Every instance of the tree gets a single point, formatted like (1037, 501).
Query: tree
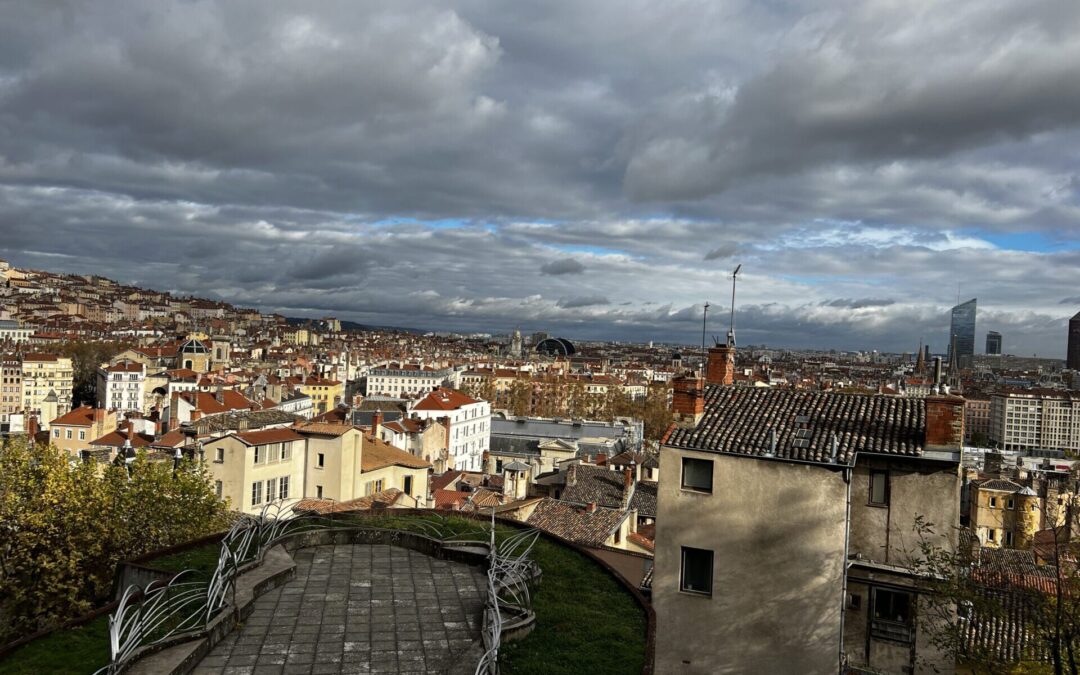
(85, 359)
(968, 599)
(65, 526)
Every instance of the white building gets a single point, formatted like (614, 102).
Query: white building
(122, 386)
(408, 380)
(11, 331)
(470, 425)
(1035, 419)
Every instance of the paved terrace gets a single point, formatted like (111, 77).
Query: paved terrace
(360, 609)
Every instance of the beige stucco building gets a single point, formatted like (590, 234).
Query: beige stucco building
(75, 430)
(42, 374)
(255, 468)
(785, 527)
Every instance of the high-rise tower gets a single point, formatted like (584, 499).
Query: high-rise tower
(1072, 360)
(993, 343)
(962, 328)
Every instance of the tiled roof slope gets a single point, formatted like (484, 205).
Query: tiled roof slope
(575, 523)
(738, 420)
(595, 484)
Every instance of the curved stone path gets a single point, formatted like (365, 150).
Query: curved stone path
(360, 609)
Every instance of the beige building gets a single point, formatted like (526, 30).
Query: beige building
(384, 466)
(324, 394)
(77, 429)
(255, 468)
(45, 373)
(1004, 513)
(11, 388)
(333, 461)
(785, 526)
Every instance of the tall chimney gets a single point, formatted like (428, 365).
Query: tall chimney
(688, 399)
(945, 422)
(721, 365)
(376, 422)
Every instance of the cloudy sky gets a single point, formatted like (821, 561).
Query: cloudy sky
(591, 169)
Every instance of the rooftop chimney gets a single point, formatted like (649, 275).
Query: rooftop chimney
(944, 422)
(721, 365)
(376, 422)
(591, 508)
(688, 399)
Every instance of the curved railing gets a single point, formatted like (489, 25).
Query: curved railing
(171, 611)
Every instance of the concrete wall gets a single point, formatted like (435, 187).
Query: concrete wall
(340, 474)
(777, 580)
(916, 488)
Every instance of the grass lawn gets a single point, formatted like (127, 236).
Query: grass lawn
(77, 651)
(84, 649)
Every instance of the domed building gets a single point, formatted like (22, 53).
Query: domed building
(556, 347)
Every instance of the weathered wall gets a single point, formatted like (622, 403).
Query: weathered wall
(777, 580)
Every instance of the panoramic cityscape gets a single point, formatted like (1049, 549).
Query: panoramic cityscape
(480, 338)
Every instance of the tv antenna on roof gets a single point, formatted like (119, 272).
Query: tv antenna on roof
(731, 326)
(704, 322)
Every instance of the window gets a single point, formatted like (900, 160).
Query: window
(879, 488)
(318, 492)
(696, 575)
(220, 456)
(286, 450)
(993, 502)
(1008, 538)
(1010, 503)
(321, 462)
(697, 474)
(258, 455)
(56, 433)
(67, 435)
(406, 485)
(271, 486)
(498, 466)
(891, 615)
(283, 482)
(991, 534)
(256, 493)
(218, 488)
(82, 434)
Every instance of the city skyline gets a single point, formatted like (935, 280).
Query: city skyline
(601, 182)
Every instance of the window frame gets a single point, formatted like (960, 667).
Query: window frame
(684, 550)
(685, 487)
(320, 460)
(891, 629)
(875, 475)
(283, 487)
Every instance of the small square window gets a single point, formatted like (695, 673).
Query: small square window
(879, 488)
(696, 576)
(993, 502)
(220, 456)
(1010, 503)
(697, 474)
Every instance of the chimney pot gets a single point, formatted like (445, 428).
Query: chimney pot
(592, 507)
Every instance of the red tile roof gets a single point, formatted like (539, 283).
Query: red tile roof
(79, 417)
(378, 454)
(450, 499)
(444, 399)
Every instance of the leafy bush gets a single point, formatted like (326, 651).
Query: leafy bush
(65, 526)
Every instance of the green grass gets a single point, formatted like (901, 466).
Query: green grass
(586, 621)
(84, 649)
(202, 561)
(76, 651)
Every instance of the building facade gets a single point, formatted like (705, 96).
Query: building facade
(1072, 359)
(11, 387)
(45, 373)
(403, 381)
(122, 386)
(470, 425)
(1035, 419)
(784, 523)
(993, 343)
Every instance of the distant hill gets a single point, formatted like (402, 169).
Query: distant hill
(352, 325)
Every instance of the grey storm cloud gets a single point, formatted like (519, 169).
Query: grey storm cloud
(561, 267)
(582, 301)
(417, 163)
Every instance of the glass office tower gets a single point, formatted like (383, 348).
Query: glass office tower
(963, 329)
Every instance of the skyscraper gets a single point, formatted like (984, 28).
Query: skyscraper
(1072, 360)
(963, 329)
(993, 343)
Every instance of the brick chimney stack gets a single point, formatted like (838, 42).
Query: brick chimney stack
(688, 399)
(944, 421)
(721, 365)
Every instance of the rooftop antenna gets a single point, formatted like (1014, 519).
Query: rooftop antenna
(704, 321)
(731, 327)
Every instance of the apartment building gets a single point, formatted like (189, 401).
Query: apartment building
(255, 468)
(43, 374)
(407, 380)
(469, 434)
(12, 331)
(785, 525)
(976, 419)
(1004, 514)
(1031, 419)
(324, 393)
(122, 386)
(77, 429)
(11, 388)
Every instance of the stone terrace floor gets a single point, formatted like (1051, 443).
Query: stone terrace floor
(360, 609)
